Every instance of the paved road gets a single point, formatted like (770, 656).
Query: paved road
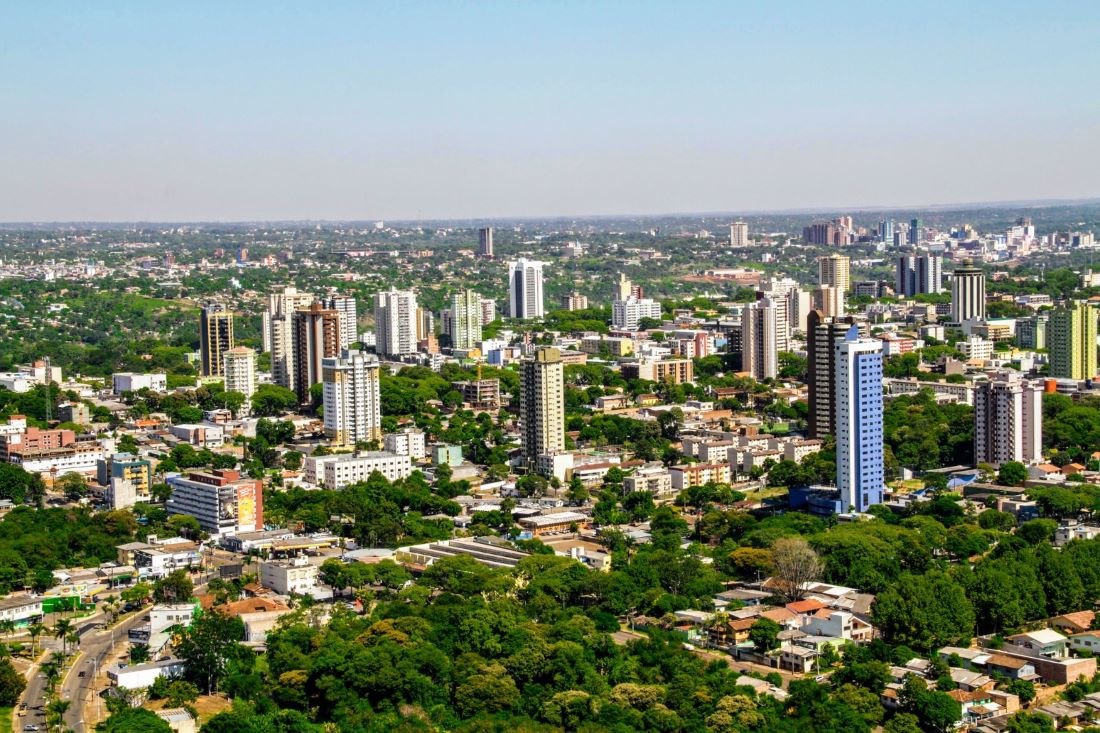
(95, 647)
(35, 694)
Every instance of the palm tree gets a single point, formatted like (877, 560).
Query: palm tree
(55, 713)
(35, 630)
(61, 630)
(52, 671)
(7, 626)
(74, 639)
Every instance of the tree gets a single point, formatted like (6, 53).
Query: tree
(1012, 473)
(12, 684)
(924, 612)
(135, 720)
(176, 587)
(796, 565)
(207, 645)
(903, 723)
(1024, 689)
(936, 711)
(61, 630)
(1024, 722)
(1037, 531)
(764, 634)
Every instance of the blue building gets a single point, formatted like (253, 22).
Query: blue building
(859, 454)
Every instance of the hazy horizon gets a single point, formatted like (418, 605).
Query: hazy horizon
(257, 112)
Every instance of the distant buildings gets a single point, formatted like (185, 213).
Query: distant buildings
(465, 319)
(1071, 341)
(215, 337)
(485, 242)
(859, 443)
(967, 294)
(574, 302)
(131, 382)
(352, 398)
(395, 323)
(525, 289)
(542, 404)
(1008, 420)
(240, 371)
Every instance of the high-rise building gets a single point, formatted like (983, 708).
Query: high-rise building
(829, 300)
(215, 337)
(485, 242)
(834, 271)
(1071, 341)
(542, 404)
(1008, 420)
(278, 328)
(628, 314)
(465, 319)
(316, 337)
(739, 234)
(574, 302)
(761, 339)
(886, 231)
(1031, 332)
(525, 289)
(240, 371)
(916, 234)
(918, 274)
(425, 324)
(822, 333)
(352, 398)
(860, 468)
(488, 311)
(344, 305)
(967, 294)
(395, 323)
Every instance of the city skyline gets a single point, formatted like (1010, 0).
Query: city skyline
(489, 112)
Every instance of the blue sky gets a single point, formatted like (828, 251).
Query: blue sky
(231, 111)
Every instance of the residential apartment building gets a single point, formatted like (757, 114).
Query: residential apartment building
(215, 337)
(240, 371)
(352, 398)
(465, 319)
(542, 404)
(858, 416)
(525, 289)
(1008, 420)
(395, 323)
(1071, 341)
(316, 338)
(343, 469)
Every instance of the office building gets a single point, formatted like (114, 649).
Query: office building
(352, 398)
(465, 319)
(628, 314)
(316, 337)
(542, 404)
(344, 305)
(222, 501)
(240, 371)
(967, 294)
(859, 453)
(1031, 332)
(739, 234)
(1008, 420)
(763, 336)
(485, 242)
(215, 337)
(886, 231)
(396, 323)
(834, 272)
(1071, 341)
(574, 302)
(822, 334)
(916, 234)
(525, 289)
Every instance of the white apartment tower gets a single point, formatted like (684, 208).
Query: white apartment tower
(860, 466)
(352, 398)
(466, 315)
(278, 332)
(627, 314)
(967, 294)
(525, 289)
(542, 404)
(739, 234)
(395, 322)
(240, 371)
(1008, 420)
(763, 336)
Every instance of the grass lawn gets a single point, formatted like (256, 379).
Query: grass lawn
(5, 720)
